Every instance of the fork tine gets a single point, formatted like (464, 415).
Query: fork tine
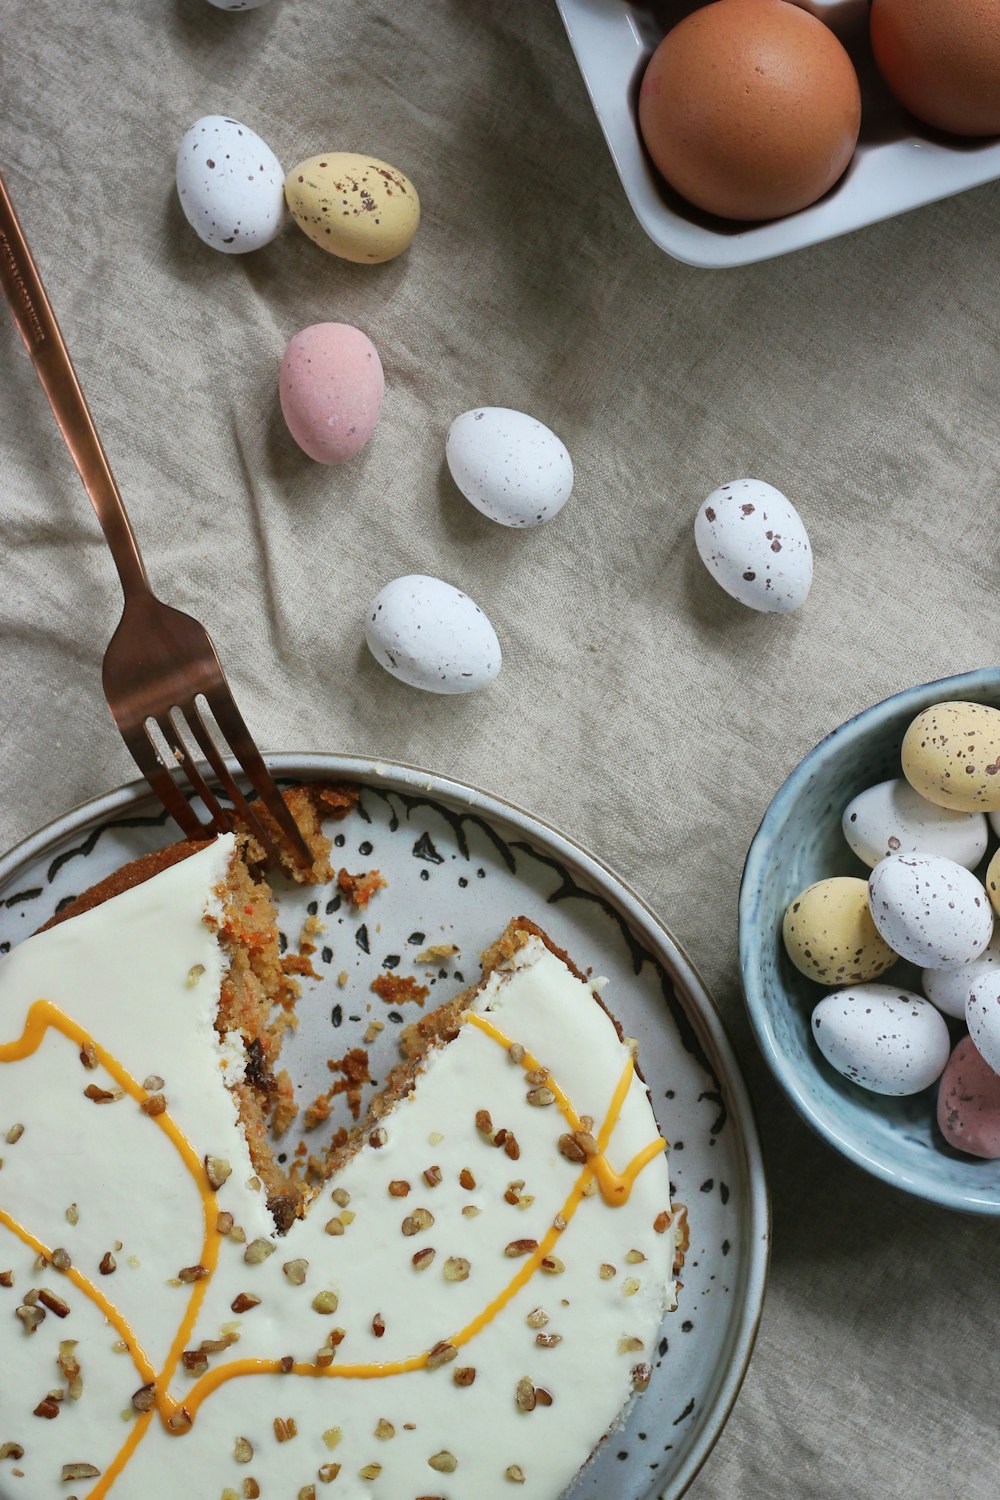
(210, 750)
(230, 721)
(144, 754)
(177, 747)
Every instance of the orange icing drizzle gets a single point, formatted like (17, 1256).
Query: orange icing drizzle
(614, 1186)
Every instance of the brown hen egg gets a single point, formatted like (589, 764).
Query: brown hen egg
(750, 108)
(941, 58)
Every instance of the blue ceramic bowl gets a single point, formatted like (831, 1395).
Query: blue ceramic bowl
(800, 841)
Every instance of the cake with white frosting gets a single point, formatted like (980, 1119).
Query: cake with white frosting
(463, 1310)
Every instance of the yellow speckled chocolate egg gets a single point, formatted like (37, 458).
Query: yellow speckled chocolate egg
(951, 756)
(830, 936)
(357, 207)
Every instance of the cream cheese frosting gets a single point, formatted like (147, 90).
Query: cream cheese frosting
(465, 1311)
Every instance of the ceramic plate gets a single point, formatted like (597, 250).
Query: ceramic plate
(459, 864)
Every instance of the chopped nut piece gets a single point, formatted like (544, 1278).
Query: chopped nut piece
(332, 1437)
(586, 1141)
(524, 1395)
(456, 1268)
(484, 1122)
(537, 1318)
(80, 1471)
(284, 1428)
(444, 1462)
(194, 1361)
(88, 1056)
(370, 1471)
(630, 1286)
(552, 1265)
(423, 1258)
(296, 1270)
(607, 1271)
(421, 1218)
(6, 1278)
(520, 1247)
(153, 1084)
(61, 1260)
(466, 1180)
(217, 1170)
(327, 1473)
(570, 1147)
(47, 1408)
(31, 1297)
(180, 1420)
(67, 1360)
(325, 1302)
(682, 1239)
(378, 1325)
(537, 1075)
(30, 1316)
(307, 1492)
(188, 1274)
(257, 1251)
(216, 1346)
(634, 1257)
(334, 1225)
(385, 1430)
(243, 1302)
(662, 1222)
(511, 1148)
(630, 1345)
(641, 1376)
(542, 1396)
(432, 1176)
(324, 1359)
(541, 1096)
(108, 1264)
(516, 1053)
(75, 1388)
(53, 1303)
(194, 974)
(11, 1450)
(286, 1364)
(153, 1105)
(470, 1211)
(239, 1234)
(14, 1134)
(341, 1197)
(347, 1216)
(548, 1340)
(72, 1214)
(442, 1354)
(513, 1191)
(514, 1473)
(251, 1489)
(398, 1188)
(464, 1375)
(559, 1222)
(224, 1222)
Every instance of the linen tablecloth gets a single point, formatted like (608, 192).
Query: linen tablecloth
(638, 707)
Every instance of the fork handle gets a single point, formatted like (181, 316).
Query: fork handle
(36, 323)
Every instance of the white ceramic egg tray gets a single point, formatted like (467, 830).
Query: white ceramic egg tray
(899, 164)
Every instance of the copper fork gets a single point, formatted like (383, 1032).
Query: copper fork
(160, 664)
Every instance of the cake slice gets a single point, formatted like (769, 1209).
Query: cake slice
(468, 1302)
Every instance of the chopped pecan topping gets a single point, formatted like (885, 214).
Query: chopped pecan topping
(325, 1302)
(61, 1260)
(542, 1396)
(378, 1325)
(442, 1354)
(224, 1222)
(464, 1375)
(466, 1180)
(243, 1302)
(144, 1399)
(421, 1218)
(153, 1105)
(516, 1053)
(30, 1316)
(634, 1257)
(444, 1462)
(484, 1122)
(153, 1084)
(630, 1345)
(6, 1278)
(11, 1450)
(376, 1140)
(548, 1340)
(524, 1395)
(251, 1489)
(456, 1268)
(641, 1376)
(630, 1286)
(47, 1408)
(423, 1258)
(217, 1170)
(537, 1318)
(295, 1270)
(194, 1361)
(14, 1134)
(541, 1096)
(570, 1147)
(189, 1274)
(514, 1473)
(552, 1265)
(607, 1271)
(80, 1471)
(88, 1056)
(108, 1264)
(370, 1471)
(398, 1188)
(511, 1148)
(285, 1428)
(432, 1176)
(53, 1303)
(334, 1225)
(257, 1251)
(662, 1222)
(341, 1197)
(520, 1247)
(327, 1473)
(384, 1430)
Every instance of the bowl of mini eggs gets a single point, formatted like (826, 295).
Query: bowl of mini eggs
(870, 940)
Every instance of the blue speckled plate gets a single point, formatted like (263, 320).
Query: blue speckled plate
(459, 863)
(800, 841)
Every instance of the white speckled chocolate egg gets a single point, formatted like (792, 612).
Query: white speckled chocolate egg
(752, 540)
(829, 934)
(885, 1039)
(930, 910)
(982, 1016)
(891, 818)
(230, 184)
(951, 756)
(949, 989)
(432, 636)
(509, 465)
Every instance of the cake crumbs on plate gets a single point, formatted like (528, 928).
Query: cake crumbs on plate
(437, 953)
(359, 889)
(397, 989)
(354, 1066)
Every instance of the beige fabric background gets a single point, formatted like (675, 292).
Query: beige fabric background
(638, 707)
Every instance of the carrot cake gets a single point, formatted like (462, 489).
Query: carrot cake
(464, 1308)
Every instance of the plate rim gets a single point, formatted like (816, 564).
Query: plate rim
(693, 995)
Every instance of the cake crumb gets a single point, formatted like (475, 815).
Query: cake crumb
(437, 953)
(374, 1027)
(359, 889)
(284, 1108)
(342, 978)
(397, 989)
(354, 1066)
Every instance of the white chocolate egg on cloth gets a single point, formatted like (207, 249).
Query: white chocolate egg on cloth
(885, 1039)
(430, 635)
(751, 539)
(510, 466)
(230, 184)
(891, 818)
(949, 989)
(930, 910)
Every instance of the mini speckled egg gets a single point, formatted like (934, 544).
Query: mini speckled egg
(829, 934)
(982, 1016)
(357, 207)
(949, 989)
(331, 386)
(968, 1109)
(930, 910)
(885, 1039)
(993, 881)
(230, 185)
(509, 466)
(891, 818)
(432, 636)
(951, 756)
(752, 541)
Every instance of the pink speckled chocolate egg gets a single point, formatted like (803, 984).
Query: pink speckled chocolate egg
(331, 388)
(968, 1108)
